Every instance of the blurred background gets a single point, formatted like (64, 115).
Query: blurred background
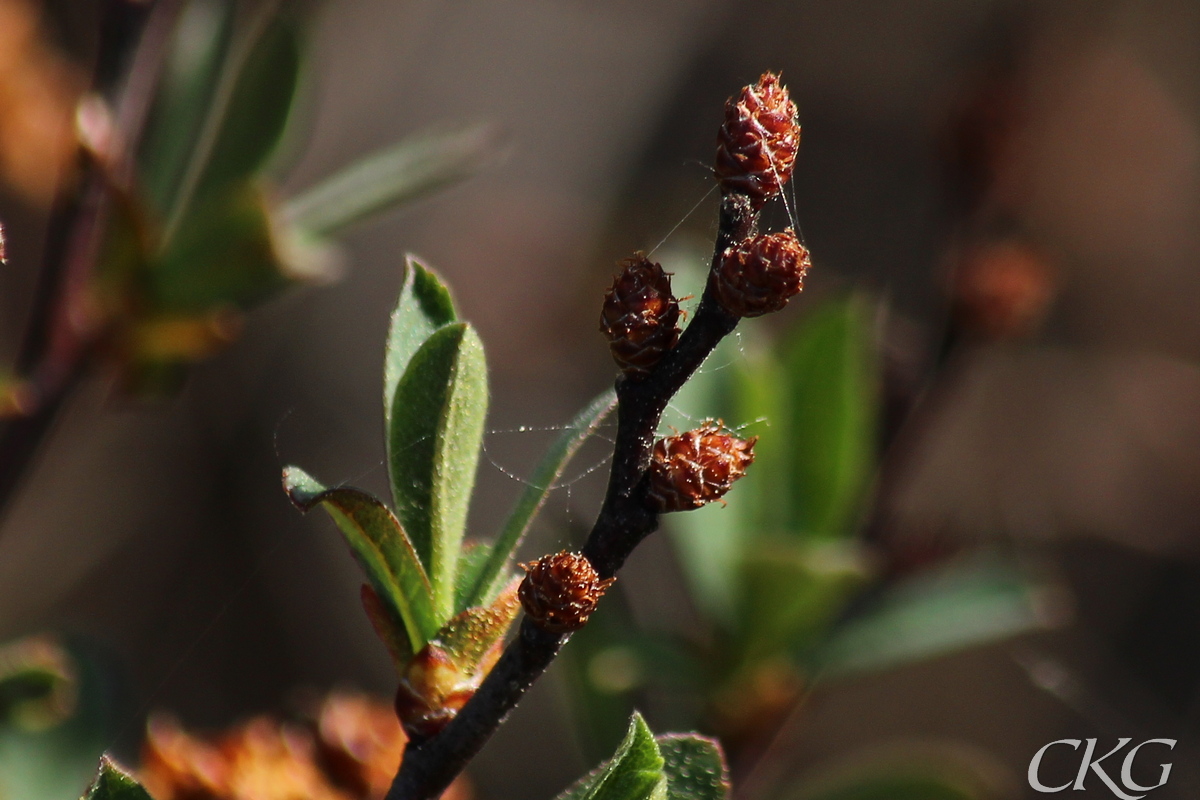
(940, 140)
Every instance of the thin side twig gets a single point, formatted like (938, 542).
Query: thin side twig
(624, 520)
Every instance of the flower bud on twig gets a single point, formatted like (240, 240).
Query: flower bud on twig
(759, 275)
(640, 315)
(560, 592)
(757, 144)
(697, 467)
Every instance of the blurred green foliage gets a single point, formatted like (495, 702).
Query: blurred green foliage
(203, 237)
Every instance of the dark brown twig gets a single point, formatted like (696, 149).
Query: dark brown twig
(624, 520)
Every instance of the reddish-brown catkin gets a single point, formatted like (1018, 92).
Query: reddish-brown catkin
(759, 275)
(561, 591)
(757, 144)
(640, 316)
(697, 467)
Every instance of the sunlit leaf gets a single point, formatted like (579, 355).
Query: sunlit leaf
(470, 635)
(424, 306)
(832, 384)
(695, 767)
(471, 562)
(434, 441)
(113, 783)
(961, 605)
(389, 177)
(635, 771)
(545, 475)
(381, 547)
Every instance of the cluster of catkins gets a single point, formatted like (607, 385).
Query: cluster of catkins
(757, 275)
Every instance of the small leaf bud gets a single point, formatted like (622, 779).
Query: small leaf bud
(432, 691)
(640, 315)
(561, 591)
(697, 467)
(757, 144)
(759, 275)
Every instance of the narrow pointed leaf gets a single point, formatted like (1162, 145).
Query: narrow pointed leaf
(247, 115)
(435, 437)
(392, 176)
(832, 381)
(380, 546)
(113, 783)
(635, 771)
(472, 633)
(545, 474)
(252, 120)
(695, 767)
(961, 605)
(471, 561)
(191, 73)
(424, 306)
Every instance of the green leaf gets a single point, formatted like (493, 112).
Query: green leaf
(434, 440)
(791, 592)
(381, 547)
(545, 474)
(469, 636)
(390, 177)
(424, 306)
(247, 115)
(471, 561)
(191, 73)
(222, 254)
(960, 606)
(695, 767)
(832, 382)
(253, 116)
(113, 783)
(761, 402)
(635, 771)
